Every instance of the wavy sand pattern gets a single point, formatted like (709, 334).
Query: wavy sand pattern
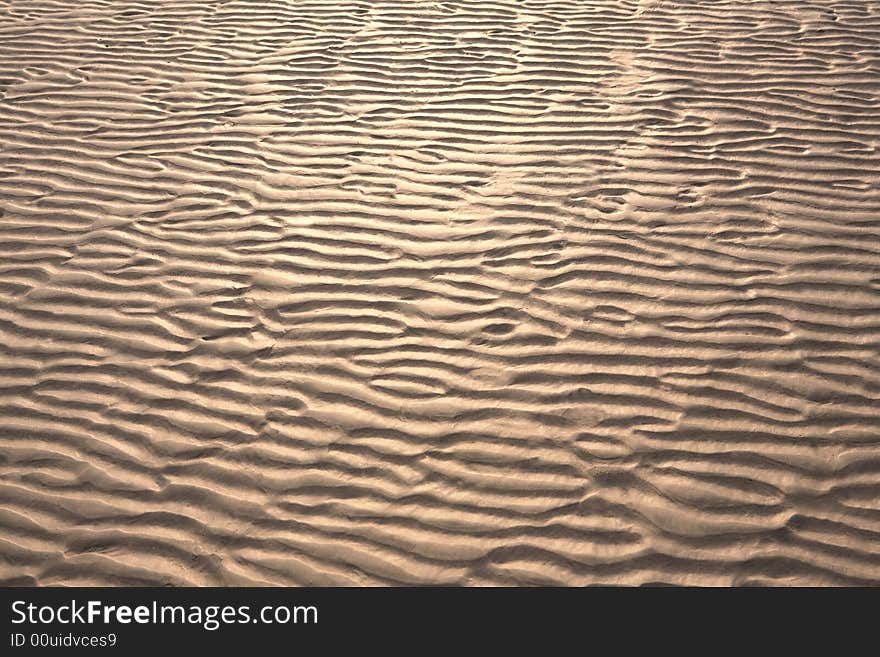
(509, 292)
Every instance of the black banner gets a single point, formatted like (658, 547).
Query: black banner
(132, 620)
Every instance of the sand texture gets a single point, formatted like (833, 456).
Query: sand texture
(459, 292)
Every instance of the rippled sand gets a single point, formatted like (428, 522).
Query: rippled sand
(510, 292)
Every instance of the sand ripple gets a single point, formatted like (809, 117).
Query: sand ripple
(534, 292)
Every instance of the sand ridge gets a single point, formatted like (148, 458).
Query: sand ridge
(510, 292)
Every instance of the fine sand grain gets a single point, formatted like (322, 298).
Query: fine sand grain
(459, 292)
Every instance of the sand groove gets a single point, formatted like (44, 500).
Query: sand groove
(535, 292)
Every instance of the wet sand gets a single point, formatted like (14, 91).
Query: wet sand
(468, 293)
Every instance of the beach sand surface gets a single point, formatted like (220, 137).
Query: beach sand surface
(467, 293)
